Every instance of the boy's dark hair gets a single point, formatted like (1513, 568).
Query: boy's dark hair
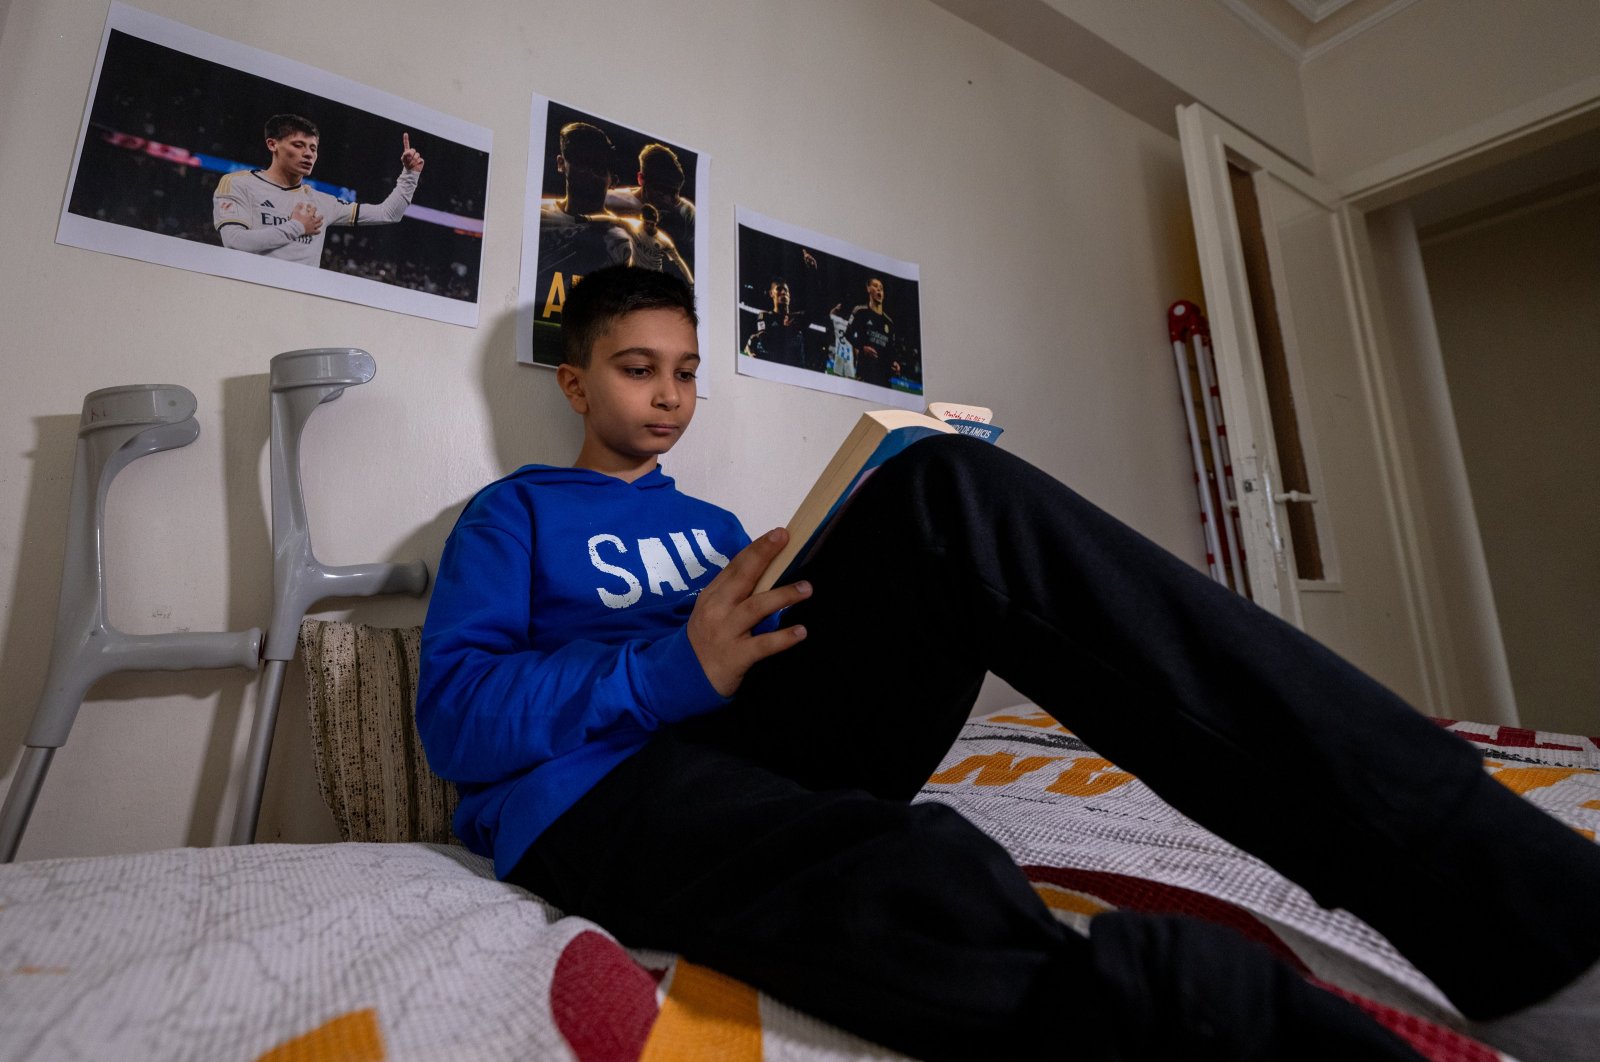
(613, 292)
(281, 125)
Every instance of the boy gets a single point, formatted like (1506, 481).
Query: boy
(608, 695)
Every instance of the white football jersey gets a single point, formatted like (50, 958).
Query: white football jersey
(246, 198)
(251, 203)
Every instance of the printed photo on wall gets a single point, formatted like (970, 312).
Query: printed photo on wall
(205, 154)
(815, 311)
(600, 193)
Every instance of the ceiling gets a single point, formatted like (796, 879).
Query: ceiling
(1306, 28)
(1562, 158)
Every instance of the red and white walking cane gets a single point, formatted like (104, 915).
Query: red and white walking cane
(1179, 316)
(1191, 347)
(1232, 527)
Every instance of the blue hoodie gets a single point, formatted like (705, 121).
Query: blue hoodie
(555, 642)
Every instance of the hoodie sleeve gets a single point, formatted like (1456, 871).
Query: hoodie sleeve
(489, 706)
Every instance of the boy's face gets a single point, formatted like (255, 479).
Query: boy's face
(637, 395)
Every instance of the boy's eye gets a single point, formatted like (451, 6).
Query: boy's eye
(635, 372)
(686, 375)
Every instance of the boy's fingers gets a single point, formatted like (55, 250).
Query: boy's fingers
(405, 141)
(748, 564)
(768, 545)
(764, 604)
(774, 642)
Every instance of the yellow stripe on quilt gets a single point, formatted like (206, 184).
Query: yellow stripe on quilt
(352, 1037)
(1592, 805)
(707, 1017)
(1058, 899)
(993, 768)
(1043, 720)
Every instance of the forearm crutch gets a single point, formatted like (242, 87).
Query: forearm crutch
(302, 380)
(119, 425)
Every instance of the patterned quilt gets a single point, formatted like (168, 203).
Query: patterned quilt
(361, 952)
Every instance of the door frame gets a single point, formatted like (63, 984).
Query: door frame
(1208, 144)
(1567, 112)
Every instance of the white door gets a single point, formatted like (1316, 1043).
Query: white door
(1317, 502)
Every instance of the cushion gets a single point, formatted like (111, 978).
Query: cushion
(361, 693)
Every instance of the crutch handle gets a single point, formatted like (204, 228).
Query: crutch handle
(303, 583)
(367, 580)
(104, 650)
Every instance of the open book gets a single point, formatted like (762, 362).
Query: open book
(877, 436)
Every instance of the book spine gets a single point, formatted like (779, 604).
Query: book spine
(892, 443)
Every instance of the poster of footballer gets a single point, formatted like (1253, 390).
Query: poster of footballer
(600, 193)
(204, 154)
(817, 312)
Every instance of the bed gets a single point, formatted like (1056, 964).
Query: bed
(396, 944)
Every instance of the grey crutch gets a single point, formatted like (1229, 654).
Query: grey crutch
(302, 380)
(119, 425)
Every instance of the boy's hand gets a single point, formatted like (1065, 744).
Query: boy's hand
(725, 612)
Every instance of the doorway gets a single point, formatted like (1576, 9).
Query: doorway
(1491, 298)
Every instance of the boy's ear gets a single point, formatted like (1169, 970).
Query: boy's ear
(570, 379)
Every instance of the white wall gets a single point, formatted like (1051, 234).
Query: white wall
(1514, 295)
(1051, 229)
(1437, 69)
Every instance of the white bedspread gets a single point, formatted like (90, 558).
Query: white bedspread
(363, 952)
(348, 951)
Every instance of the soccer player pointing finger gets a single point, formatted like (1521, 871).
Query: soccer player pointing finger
(410, 157)
(276, 213)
